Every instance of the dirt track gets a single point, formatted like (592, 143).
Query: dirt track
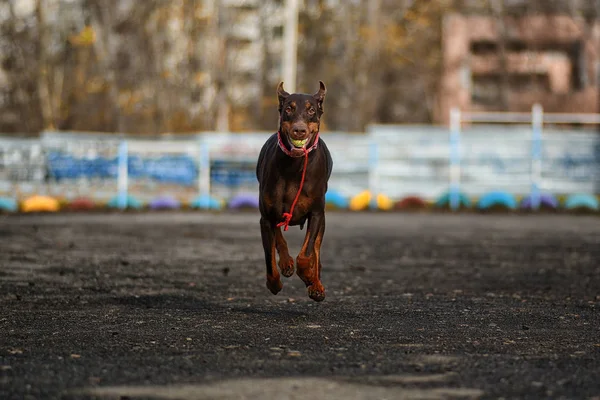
(417, 307)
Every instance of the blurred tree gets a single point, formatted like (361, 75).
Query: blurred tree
(18, 48)
(381, 59)
(174, 66)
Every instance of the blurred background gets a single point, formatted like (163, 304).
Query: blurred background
(157, 66)
(80, 77)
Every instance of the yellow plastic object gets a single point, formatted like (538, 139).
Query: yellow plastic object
(384, 203)
(40, 203)
(361, 201)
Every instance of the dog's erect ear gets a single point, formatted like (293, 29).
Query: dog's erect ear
(320, 95)
(281, 95)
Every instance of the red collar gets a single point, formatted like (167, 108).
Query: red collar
(289, 153)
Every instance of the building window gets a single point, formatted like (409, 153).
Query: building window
(486, 90)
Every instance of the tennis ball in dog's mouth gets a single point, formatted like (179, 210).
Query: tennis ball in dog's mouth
(298, 142)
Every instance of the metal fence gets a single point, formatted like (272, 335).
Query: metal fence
(80, 164)
(408, 160)
(394, 160)
(23, 167)
(524, 159)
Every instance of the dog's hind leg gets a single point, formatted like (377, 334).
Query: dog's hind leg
(308, 262)
(286, 263)
(267, 232)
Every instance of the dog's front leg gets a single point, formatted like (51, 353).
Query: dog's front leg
(286, 263)
(267, 232)
(308, 262)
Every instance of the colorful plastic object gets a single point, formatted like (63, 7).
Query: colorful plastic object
(444, 200)
(164, 203)
(132, 202)
(8, 204)
(81, 204)
(206, 203)
(411, 203)
(244, 200)
(362, 201)
(581, 201)
(547, 201)
(497, 199)
(39, 203)
(383, 202)
(336, 200)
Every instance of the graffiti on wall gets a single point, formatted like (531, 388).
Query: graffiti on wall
(410, 160)
(175, 169)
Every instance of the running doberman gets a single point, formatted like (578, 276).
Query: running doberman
(293, 169)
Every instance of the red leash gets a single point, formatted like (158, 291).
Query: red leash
(287, 217)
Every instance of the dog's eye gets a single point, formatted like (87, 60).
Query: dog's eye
(311, 111)
(288, 110)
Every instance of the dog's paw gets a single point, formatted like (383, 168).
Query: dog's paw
(316, 292)
(274, 286)
(286, 266)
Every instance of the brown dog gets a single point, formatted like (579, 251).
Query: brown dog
(293, 169)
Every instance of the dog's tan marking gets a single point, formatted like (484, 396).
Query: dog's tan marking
(313, 127)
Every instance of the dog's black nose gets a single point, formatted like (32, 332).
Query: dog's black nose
(299, 131)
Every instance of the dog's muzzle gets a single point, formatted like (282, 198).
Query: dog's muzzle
(299, 143)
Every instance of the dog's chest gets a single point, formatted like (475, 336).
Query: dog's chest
(284, 197)
(289, 193)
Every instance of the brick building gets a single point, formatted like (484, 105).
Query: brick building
(509, 66)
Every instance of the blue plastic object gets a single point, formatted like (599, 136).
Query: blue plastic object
(497, 198)
(8, 204)
(206, 203)
(546, 200)
(132, 202)
(582, 201)
(336, 199)
(444, 200)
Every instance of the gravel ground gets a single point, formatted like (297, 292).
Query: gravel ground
(419, 306)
